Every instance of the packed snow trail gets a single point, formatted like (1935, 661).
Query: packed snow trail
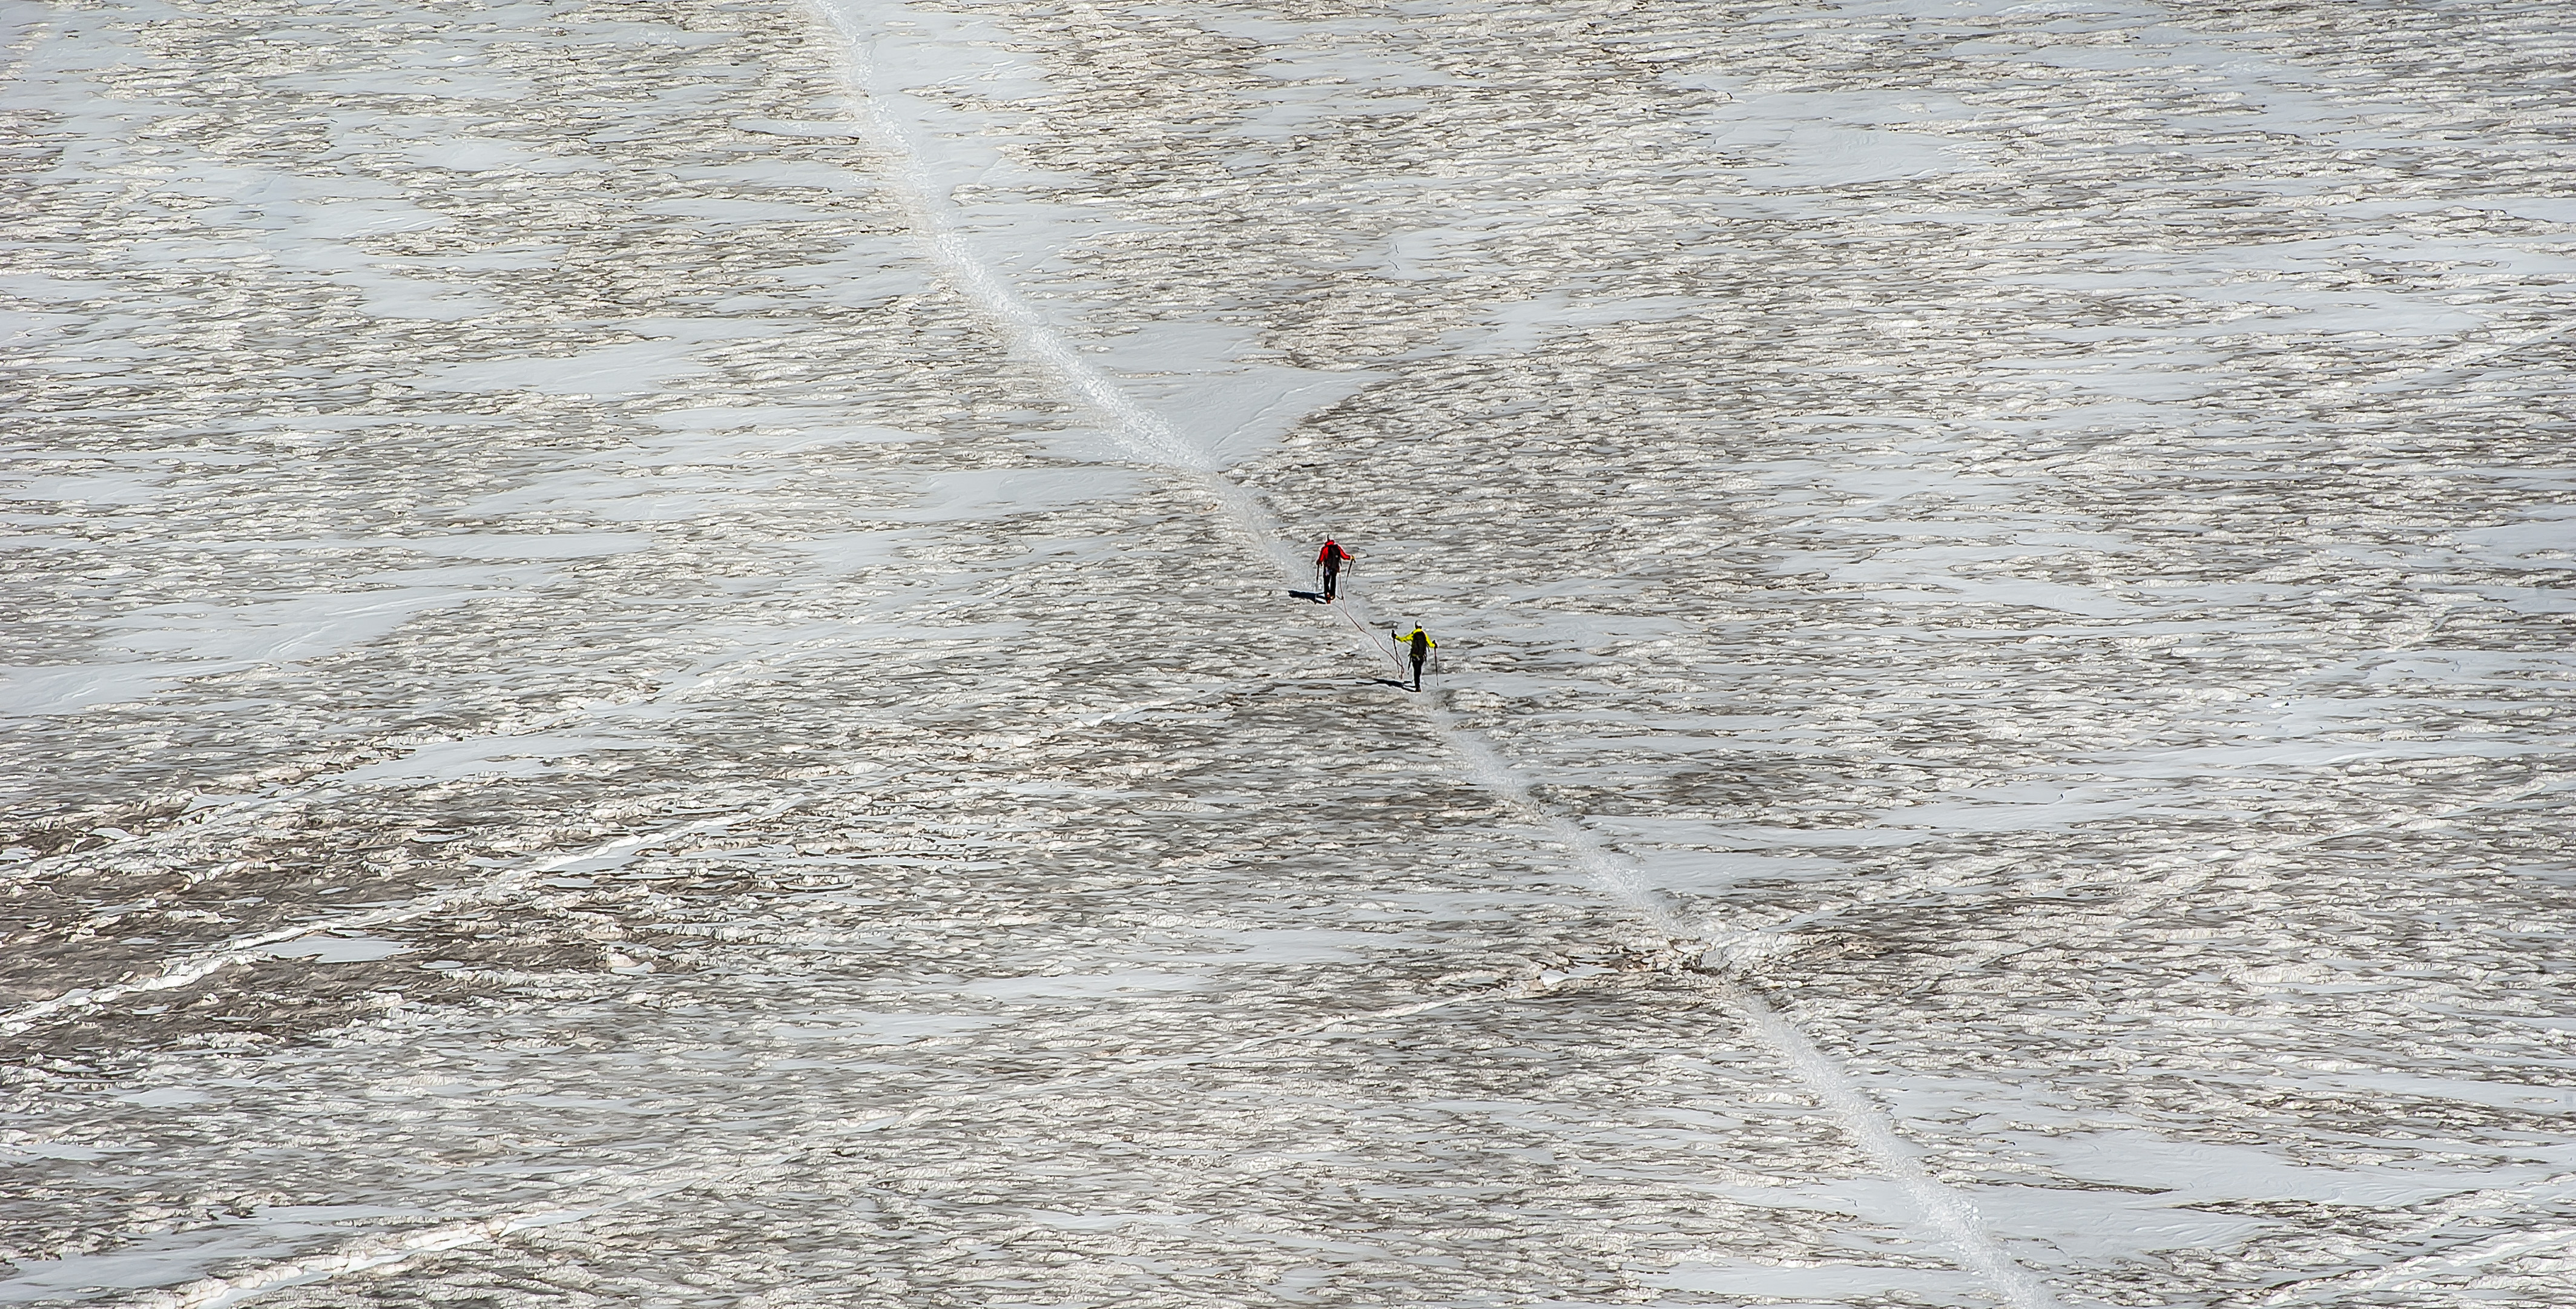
(1149, 439)
(1966, 521)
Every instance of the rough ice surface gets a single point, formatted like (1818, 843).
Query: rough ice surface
(647, 659)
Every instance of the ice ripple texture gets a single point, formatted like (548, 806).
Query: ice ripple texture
(647, 667)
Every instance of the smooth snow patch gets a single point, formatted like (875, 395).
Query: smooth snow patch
(337, 949)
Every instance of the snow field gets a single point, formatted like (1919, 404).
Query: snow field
(652, 740)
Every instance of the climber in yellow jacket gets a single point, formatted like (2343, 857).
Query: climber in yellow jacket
(1418, 646)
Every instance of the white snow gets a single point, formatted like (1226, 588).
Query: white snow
(649, 666)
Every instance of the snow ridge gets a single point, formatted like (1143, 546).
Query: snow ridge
(365, 1256)
(1152, 441)
(188, 969)
(625, 1188)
